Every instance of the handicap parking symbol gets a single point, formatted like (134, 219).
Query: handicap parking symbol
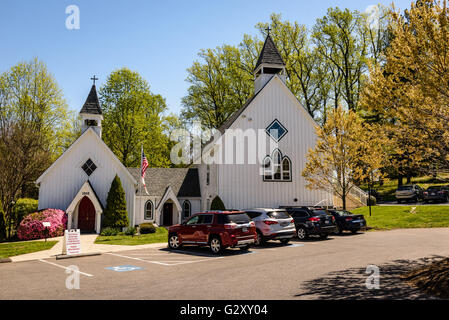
(124, 268)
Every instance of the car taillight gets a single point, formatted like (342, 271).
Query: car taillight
(333, 219)
(348, 219)
(314, 219)
(252, 224)
(426, 193)
(230, 226)
(270, 222)
(293, 221)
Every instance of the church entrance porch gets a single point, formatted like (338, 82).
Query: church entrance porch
(86, 215)
(84, 212)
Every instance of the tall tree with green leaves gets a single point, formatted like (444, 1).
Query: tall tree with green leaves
(132, 117)
(34, 122)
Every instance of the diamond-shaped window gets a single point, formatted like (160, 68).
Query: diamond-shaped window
(276, 130)
(89, 167)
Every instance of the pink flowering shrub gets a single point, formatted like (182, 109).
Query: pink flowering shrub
(31, 226)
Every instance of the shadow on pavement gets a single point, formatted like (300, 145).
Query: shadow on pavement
(350, 284)
(205, 252)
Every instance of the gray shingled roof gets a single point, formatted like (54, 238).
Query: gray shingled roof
(269, 54)
(184, 182)
(92, 104)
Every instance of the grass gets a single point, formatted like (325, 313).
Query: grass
(160, 236)
(401, 217)
(11, 249)
(388, 188)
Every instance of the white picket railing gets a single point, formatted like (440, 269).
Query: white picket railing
(359, 194)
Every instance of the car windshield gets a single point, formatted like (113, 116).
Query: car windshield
(278, 214)
(344, 213)
(434, 188)
(319, 213)
(239, 218)
(404, 188)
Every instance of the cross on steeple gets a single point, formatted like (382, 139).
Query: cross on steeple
(94, 78)
(268, 29)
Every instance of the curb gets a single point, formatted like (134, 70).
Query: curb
(5, 260)
(80, 255)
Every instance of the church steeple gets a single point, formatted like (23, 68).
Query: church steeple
(269, 63)
(91, 113)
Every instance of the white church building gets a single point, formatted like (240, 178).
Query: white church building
(78, 182)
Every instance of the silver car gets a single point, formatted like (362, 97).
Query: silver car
(272, 224)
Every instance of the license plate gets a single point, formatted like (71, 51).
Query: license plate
(244, 229)
(432, 194)
(327, 222)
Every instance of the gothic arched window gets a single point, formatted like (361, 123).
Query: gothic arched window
(149, 210)
(186, 209)
(277, 168)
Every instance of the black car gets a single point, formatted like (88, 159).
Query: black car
(348, 221)
(436, 193)
(312, 221)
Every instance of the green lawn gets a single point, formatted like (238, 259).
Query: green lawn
(160, 236)
(400, 217)
(10, 249)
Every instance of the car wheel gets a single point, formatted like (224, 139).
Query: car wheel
(302, 233)
(285, 241)
(324, 236)
(173, 242)
(399, 201)
(215, 245)
(354, 231)
(245, 248)
(259, 239)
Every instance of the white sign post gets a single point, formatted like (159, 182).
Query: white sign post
(72, 242)
(46, 226)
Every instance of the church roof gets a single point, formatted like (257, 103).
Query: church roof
(184, 182)
(92, 104)
(269, 54)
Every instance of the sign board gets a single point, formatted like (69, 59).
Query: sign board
(72, 242)
(46, 224)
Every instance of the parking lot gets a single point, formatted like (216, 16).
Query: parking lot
(302, 270)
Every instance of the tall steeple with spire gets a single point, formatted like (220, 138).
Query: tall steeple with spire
(91, 113)
(269, 63)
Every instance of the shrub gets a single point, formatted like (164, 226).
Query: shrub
(2, 223)
(217, 204)
(115, 214)
(109, 232)
(146, 228)
(31, 226)
(130, 231)
(24, 207)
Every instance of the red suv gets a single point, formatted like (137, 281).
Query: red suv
(216, 229)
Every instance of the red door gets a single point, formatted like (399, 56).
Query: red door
(86, 215)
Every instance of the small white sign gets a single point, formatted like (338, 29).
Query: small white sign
(46, 224)
(72, 242)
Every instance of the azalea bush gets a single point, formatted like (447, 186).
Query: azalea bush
(31, 226)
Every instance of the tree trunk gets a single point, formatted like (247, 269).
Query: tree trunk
(400, 182)
(409, 179)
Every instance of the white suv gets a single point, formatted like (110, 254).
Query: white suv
(272, 224)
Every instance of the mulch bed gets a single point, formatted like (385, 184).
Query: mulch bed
(433, 279)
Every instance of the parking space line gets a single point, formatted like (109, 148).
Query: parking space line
(66, 268)
(164, 263)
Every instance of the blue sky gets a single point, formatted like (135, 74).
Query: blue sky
(159, 39)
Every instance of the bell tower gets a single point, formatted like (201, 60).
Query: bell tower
(269, 64)
(91, 113)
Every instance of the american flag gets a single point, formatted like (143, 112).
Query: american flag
(143, 169)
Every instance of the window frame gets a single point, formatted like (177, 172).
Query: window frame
(184, 211)
(274, 165)
(146, 210)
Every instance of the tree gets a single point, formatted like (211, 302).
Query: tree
(409, 95)
(347, 151)
(33, 126)
(2, 223)
(132, 117)
(115, 214)
(217, 204)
